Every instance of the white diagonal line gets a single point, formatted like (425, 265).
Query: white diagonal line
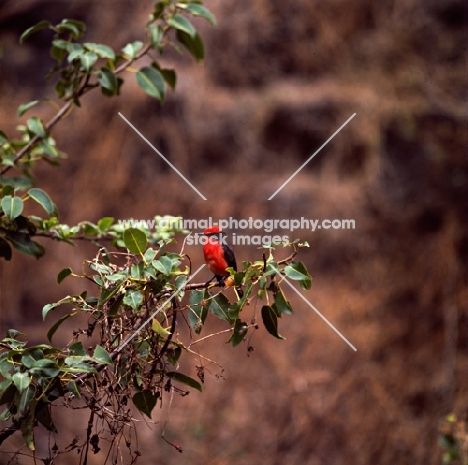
(158, 310)
(315, 310)
(162, 156)
(310, 158)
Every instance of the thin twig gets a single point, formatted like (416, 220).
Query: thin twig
(287, 259)
(89, 430)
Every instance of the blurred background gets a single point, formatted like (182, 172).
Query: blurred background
(279, 78)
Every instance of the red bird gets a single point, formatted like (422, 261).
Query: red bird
(218, 255)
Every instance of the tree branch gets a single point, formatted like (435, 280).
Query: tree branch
(63, 111)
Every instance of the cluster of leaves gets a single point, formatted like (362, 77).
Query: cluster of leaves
(453, 440)
(34, 377)
(140, 296)
(259, 278)
(85, 65)
(81, 67)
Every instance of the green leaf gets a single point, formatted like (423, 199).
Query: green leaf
(102, 356)
(27, 397)
(198, 308)
(157, 328)
(176, 259)
(150, 254)
(5, 416)
(159, 8)
(109, 82)
(199, 10)
(237, 306)
(270, 320)
(45, 367)
(76, 28)
(151, 81)
(77, 365)
(58, 53)
(5, 249)
(21, 381)
(8, 190)
(282, 304)
(193, 44)
(3, 137)
(100, 50)
(65, 45)
(173, 355)
(106, 294)
(76, 349)
(145, 401)
(63, 274)
(27, 360)
(79, 368)
(170, 77)
(180, 282)
(298, 272)
(239, 332)
(89, 229)
(48, 307)
(44, 416)
(38, 351)
(182, 24)
(23, 224)
(43, 199)
(7, 391)
(23, 242)
(136, 271)
(27, 428)
(49, 149)
(36, 127)
(219, 307)
(184, 379)
(12, 206)
(12, 335)
(133, 299)
(131, 50)
(74, 389)
(155, 34)
(5, 367)
(18, 182)
(105, 223)
(135, 240)
(87, 60)
(163, 265)
(37, 27)
(57, 324)
(22, 109)
(77, 52)
(271, 269)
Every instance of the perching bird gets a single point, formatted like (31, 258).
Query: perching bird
(218, 255)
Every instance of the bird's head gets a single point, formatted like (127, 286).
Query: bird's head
(213, 231)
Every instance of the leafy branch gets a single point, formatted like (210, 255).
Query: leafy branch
(134, 318)
(128, 353)
(80, 68)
